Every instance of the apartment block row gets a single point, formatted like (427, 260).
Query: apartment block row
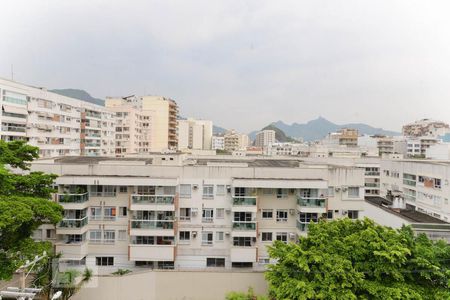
(177, 211)
(61, 125)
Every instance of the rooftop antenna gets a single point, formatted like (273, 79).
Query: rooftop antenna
(12, 72)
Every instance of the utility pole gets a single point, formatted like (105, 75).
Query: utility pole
(22, 292)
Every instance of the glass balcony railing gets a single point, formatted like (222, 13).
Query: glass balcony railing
(311, 202)
(152, 224)
(244, 201)
(372, 184)
(73, 223)
(152, 199)
(73, 198)
(302, 226)
(244, 225)
(372, 173)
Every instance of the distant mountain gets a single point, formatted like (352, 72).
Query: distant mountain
(80, 95)
(280, 136)
(317, 129)
(218, 130)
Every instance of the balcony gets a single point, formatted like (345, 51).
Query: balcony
(302, 227)
(243, 254)
(152, 252)
(247, 229)
(372, 173)
(72, 226)
(73, 201)
(312, 204)
(244, 204)
(152, 227)
(152, 202)
(73, 251)
(372, 184)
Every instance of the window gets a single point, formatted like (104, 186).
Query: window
(353, 214)
(264, 261)
(109, 213)
(96, 213)
(95, 236)
(109, 236)
(242, 241)
(282, 193)
(330, 214)
(143, 240)
(185, 214)
(282, 236)
(437, 183)
(239, 192)
(123, 189)
(242, 217)
(215, 262)
(220, 190)
(219, 236)
(51, 234)
(267, 213)
(123, 211)
(353, 192)
(207, 238)
(282, 215)
(208, 191)
(122, 236)
(266, 236)
(207, 215)
(220, 213)
(331, 191)
(242, 265)
(104, 261)
(185, 190)
(308, 217)
(185, 236)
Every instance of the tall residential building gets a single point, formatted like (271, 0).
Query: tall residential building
(345, 137)
(164, 114)
(58, 125)
(195, 134)
(425, 127)
(179, 211)
(235, 141)
(265, 138)
(133, 131)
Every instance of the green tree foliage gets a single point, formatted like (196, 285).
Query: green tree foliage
(348, 259)
(24, 206)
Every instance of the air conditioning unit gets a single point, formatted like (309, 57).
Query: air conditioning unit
(229, 188)
(227, 233)
(195, 186)
(344, 212)
(292, 211)
(337, 189)
(194, 211)
(292, 235)
(228, 211)
(194, 234)
(344, 188)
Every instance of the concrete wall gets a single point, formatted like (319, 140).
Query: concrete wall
(162, 285)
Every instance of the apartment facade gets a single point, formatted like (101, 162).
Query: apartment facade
(177, 211)
(235, 141)
(345, 137)
(424, 184)
(218, 143)
(195, 134)
(425, 127)
(265, 138)
(58, 125)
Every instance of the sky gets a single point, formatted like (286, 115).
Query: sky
(242, 64)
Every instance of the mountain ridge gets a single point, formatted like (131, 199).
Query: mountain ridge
(79, 94)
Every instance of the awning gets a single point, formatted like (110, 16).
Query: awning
(15, 110)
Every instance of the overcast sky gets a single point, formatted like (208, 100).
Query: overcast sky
(242, 64)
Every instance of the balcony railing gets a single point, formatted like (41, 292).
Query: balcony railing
(13, 128)
(311, 202)
(372, 184)
(372, 173)
(244, 225)
(102, 194)
(152, 224)
(152, 199)
(244, 201)
(302, 226)
(73, 198)
(73, 223)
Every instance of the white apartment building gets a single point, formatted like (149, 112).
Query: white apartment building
(218, 142)
(195, 134)
(265, 138)
(179, 211)
(235, 141)
(418, 146)
(58, 125)
(287, 149)
(426, 128)
(423, 184)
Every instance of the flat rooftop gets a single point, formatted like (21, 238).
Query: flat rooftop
(409, 214)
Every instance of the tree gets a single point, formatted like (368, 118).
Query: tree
(250, 295)
(24, 206)
(357, 259)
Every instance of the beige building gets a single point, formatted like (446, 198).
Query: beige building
(58, 125)
(425, 127)
(265, 138)
(235, 141)
(164, 112)
(195, 134)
